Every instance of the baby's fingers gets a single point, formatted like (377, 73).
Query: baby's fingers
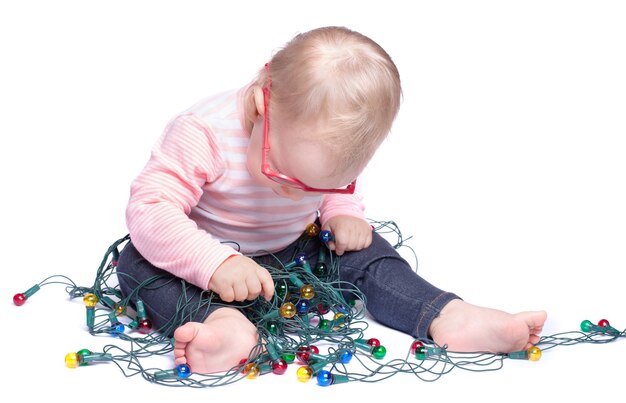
(267, 283)
(254, 287)
(241, 291)
(338, 246)
(227, 294)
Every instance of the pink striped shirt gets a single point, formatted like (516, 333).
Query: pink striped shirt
(195, 204)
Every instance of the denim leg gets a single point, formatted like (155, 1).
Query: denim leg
(396, 296)
(169, 300)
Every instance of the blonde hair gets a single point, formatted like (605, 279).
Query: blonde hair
(341, 78)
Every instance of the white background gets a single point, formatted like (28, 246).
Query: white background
(506, 166)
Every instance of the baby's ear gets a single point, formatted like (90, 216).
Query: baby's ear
(259, 99)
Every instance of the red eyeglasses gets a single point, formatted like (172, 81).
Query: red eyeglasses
(277, 176)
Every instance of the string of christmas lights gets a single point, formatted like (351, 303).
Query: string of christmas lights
(314, 321)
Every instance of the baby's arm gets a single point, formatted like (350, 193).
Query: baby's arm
(184, 160)
(343, 215)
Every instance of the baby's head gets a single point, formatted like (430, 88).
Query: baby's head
(334, 87)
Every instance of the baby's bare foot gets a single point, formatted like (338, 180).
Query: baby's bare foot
(217, 344)
(464, 327)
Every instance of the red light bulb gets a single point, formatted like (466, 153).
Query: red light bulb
(415, 346)
(144, 326)
(373, 342)
(19, 299)
(303, 353)
(279, 366)
(606, 327)
(322, 308)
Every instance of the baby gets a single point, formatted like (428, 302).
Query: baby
(238, 177)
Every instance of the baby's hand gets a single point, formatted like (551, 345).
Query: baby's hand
(350, 234)
(240, 278)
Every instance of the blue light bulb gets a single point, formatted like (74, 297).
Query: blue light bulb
(324, 378)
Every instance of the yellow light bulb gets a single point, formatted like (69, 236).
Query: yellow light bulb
(312, 230)
(90, 300)
(253, 371)
(120, 309)
(304, 374)
(307, 291)
(288, 310)
(534, 354)
(338, 320)
(72, 360)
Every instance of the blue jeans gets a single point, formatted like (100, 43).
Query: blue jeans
(396, 296)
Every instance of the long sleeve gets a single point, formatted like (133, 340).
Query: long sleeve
(182, 162)
(335, 204)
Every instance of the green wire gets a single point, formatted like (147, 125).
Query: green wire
(289, 334)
